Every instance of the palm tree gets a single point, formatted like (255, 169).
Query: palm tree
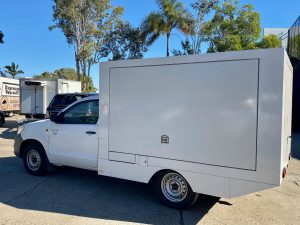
(171, 15)
(13, 70)
(1, 37)
(2, 74)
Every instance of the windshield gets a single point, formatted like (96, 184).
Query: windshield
(63, 100)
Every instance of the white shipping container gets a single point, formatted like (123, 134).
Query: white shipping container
(36, 94)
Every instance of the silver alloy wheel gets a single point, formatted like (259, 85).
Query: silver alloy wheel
(174, 187)
(33, 159)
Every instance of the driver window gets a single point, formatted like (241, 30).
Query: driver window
(82, 113)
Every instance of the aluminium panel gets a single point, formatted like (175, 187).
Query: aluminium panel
(207, 110)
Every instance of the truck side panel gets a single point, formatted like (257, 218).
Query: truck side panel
(208, 111)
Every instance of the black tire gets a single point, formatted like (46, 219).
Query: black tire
(179, 196)
(1, 121)
(35, 159)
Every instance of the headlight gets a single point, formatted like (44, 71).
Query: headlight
(20, 129)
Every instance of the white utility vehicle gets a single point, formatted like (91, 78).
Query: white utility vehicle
(217, 124)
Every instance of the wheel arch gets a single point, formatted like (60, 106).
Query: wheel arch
(157, 173)
(28, 142)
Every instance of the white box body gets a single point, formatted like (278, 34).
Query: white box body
(36, 94)
(225, 118)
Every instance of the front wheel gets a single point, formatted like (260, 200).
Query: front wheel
(35, 160)
(174, 191)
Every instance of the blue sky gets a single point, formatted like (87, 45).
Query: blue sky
(29, 43)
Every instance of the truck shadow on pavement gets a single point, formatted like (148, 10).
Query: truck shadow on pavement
(83, 193)
(295, 145)
(10, 130)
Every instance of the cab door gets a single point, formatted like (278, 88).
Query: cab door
(73, 136)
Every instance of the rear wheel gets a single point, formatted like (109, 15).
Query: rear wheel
(174, 191)
(35, 159)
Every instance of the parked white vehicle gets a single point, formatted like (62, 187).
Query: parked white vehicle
(217, 124)
(9, 95)
(36, 94)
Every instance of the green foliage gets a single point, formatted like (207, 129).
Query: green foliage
(270, 41)
(69, 74)
(85, 24)
(187, 49)
(202, 8)
(13, 70)
(2, 74)
(63, 73)
(1, 37)
(192, 44)
(232, 27)
(45, 74)
(171, 15)
(89, 87)
(124, 42)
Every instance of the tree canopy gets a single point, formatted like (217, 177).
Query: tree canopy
(202, 8)
(124, 42)
(232, 27)
(171, 15)
(270, 41)
(85, 24)
(63, 73)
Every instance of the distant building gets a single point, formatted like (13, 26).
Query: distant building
(281, 33)
(294, 41)
(294, 54)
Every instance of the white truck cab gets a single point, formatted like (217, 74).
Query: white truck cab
(78, 123)
(217, 124)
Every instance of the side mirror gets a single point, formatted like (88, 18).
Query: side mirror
(56, 118)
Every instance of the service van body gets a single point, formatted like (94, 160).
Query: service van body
(217, 124)
(36, 94)
(9, 95)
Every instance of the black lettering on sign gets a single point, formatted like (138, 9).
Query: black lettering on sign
(10, 90)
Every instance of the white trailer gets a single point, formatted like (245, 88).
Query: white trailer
(36, 94)
(217, 124)
(9, 95)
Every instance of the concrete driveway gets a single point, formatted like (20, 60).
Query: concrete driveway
(73, 196)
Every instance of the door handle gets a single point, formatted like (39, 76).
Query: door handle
(90, 132)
